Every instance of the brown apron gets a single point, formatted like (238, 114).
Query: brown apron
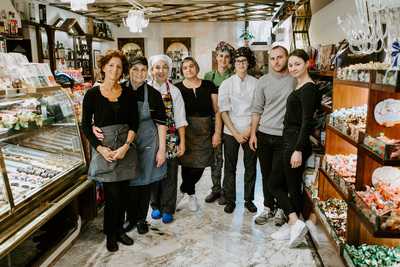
(198, 136)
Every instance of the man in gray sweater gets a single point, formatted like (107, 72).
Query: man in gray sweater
(268, 111)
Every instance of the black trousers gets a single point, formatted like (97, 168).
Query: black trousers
(115, 195)
(163, 193)
(231, 151)
(288, 191)
(190, 176)
(269, 153)
(138, 203)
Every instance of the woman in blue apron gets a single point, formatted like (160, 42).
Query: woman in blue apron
(163, 195)
(150, 145)
(114, 160)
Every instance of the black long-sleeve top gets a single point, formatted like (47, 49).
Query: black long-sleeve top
(98, 110)
(156, 104)
(198, 104)
(300, 108)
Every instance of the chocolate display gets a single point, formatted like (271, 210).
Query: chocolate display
(350, 121)
(373, 255)
(29, 169)
(335, 211)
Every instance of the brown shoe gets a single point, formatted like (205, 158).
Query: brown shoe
(222, 200)
(212, 197)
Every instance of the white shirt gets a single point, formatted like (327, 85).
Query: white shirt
(235, 96)
(177, 102)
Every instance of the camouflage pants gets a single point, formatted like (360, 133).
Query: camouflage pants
(216, 169)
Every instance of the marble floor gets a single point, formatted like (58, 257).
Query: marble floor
(208, 237)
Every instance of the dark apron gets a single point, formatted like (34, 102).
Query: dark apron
(118, 170)
(199, 150)
(147, 146)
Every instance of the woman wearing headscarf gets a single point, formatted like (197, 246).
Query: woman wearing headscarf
(201, 104)
(224, 57)
(163, 193)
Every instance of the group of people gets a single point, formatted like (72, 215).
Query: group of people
(141, 129)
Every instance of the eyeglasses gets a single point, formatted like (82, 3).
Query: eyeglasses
(241, 61)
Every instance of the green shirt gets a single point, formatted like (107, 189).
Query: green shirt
(217, 78)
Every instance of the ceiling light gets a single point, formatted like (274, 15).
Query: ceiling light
(78, 4)
(136, 21)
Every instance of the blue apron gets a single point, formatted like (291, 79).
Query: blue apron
(147, 147)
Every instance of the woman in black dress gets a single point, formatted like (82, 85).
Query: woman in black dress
(112, 108)
(201, 104)
(298, 124)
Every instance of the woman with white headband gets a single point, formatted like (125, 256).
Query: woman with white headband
(163, 195)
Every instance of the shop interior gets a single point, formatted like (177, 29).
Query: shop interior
(50, 213)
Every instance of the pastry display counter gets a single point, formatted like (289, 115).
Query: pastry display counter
(41, 158)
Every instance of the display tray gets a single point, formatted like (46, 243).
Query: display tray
(344, 187)
(379, 159)
(379, 148)
(345, 133)
(30, 170)
(328, 228)
(370, 213)
(385, 222)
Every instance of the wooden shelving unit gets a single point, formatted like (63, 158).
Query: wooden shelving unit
(360, 229)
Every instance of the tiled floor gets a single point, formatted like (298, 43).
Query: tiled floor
(208, 237)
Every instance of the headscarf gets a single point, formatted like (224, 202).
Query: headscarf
(160, 57)
(225, 47)
(247, 53)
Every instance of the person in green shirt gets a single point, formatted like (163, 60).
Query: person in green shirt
(217, 76)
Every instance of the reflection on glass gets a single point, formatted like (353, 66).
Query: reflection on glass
(39, 141)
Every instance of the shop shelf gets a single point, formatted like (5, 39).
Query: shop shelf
(378, 147)
(340, 185)
(378, 158)
(347, 258)
(352, 83)
(373, 228)
(330, 231)
(342, 135)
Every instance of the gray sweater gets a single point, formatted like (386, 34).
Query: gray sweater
(270, 101)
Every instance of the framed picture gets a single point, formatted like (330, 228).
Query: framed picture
(131, 47)
(177, 49)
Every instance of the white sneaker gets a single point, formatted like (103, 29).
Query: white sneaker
(283, 233)
(280, 218)
(183, 203)
(313, 232)
(297, 233)
(265, 215)
(193, 205)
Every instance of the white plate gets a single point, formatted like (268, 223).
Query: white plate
(388, 175)
(387, 112)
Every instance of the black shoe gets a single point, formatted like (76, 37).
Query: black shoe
(142, 227)
(222, 200)
(212, 197)
(129, 227)
(250, 206)
(124, 239)
(112, 244)
(229, 207)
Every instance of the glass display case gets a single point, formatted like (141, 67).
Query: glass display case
(40, 149)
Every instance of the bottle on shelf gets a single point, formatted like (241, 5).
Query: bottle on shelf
(5, 21)
(61, 51)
